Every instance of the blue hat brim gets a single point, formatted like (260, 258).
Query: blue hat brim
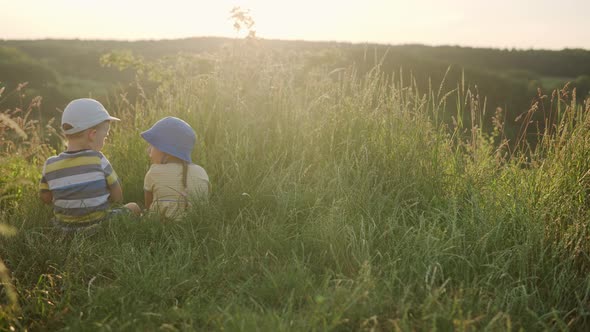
(150, 137)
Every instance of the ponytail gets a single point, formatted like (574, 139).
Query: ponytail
(185, 183)
(184, 174)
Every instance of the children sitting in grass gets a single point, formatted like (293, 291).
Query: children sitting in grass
(173, 181)
(80, 182)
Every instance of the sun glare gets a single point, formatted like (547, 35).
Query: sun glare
(502, 23)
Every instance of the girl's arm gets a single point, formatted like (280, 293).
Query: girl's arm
(148, 198)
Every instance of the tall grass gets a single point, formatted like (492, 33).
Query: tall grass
(340, 202)
(23, 146)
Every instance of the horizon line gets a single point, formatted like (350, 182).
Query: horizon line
(374, 43)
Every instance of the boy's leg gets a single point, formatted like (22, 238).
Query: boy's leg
(71, 229)
(129, 208)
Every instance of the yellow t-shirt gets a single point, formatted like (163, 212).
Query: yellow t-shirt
(169, 197)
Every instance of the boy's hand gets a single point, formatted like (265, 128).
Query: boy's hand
(46, 197)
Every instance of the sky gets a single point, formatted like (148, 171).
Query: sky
(520, 24)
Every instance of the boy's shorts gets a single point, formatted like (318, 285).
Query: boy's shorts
(90, 225)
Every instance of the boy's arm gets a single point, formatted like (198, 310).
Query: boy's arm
(44, 193)
(116, 193)
(113, 181)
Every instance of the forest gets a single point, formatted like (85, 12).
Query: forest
(510, 79)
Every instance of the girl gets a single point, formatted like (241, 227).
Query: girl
(172, 180)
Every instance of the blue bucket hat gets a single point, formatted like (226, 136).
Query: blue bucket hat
(172, 136)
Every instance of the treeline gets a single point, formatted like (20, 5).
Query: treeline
(513, 80)
(60, 70)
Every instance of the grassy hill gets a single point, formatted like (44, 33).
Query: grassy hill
(342, 200)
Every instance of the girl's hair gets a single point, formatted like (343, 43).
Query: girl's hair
(184, 178)
(184, 170)
(185, 183)
(184, 174)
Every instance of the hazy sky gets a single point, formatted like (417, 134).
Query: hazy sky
(539, 24)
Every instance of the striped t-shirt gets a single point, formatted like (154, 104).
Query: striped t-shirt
(79, 182)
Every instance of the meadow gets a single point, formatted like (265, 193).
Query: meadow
(342, 200)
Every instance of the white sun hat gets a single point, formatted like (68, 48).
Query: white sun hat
(84, 113)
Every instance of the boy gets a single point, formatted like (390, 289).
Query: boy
(80, 182)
